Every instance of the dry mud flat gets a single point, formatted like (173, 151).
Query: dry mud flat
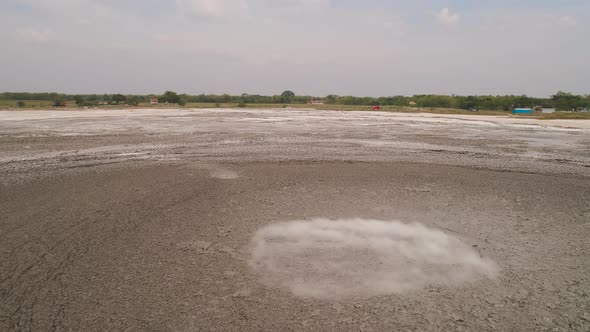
(292, 220)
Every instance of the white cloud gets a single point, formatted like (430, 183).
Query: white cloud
(164, 37)
(48, 3)
(211, 8)
(293, 4)
(103, 10)
(568, 20)
(445, 17)
(258, 8)
(395, 25)
(182, 37)
(81, 12)
(31, 34)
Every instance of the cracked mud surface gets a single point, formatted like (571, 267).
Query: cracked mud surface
(143, 220)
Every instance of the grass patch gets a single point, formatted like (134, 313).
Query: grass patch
(565, 115)
(34, 104)
(71, 105)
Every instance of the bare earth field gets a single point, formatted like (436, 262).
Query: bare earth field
(183, 220)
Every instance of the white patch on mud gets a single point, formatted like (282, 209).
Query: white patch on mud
(327, 259)
(222, 173)
(218, 171)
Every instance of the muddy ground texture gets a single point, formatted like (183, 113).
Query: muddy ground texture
(145, 220)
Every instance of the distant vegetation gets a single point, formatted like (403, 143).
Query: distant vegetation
(562, 101)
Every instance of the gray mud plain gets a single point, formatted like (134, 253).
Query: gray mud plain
(153, 220)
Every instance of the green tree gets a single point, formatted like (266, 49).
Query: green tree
(566, 101)
(523, 101)
(287, 96)
(79, 100)
(59, 101)
(119, 98)
(468, 103)
(20, 103)
(331, 99)
(106, 99)
(134, 100)
(170, 97)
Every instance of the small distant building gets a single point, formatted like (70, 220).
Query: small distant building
(412, 103)
(523, 111)
(547, 110)
(154, 101)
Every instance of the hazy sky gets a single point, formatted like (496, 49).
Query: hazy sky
(318, 47)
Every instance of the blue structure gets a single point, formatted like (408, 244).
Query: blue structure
(522, 111)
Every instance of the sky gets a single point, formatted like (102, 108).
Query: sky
(312, 47)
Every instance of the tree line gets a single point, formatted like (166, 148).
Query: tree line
(562, 101)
